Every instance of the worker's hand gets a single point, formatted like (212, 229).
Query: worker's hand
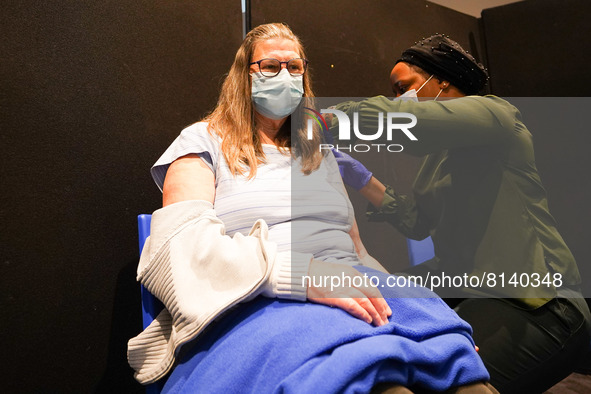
(336, 288)
(352, 171)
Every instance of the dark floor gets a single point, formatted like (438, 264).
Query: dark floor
(575, 383)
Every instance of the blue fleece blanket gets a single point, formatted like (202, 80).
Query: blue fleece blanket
(275, 346)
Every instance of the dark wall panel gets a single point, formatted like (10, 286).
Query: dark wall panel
(93, 92)
(539, 48)
(352, 47)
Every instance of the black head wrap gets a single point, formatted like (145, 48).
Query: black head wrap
(446, 59)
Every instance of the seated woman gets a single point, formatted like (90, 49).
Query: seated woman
(238, 292)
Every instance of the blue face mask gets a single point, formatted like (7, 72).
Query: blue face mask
(277, 97)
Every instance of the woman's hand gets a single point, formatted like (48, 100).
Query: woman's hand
(363, 301)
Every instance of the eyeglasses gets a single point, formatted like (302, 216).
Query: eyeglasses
(272, 67)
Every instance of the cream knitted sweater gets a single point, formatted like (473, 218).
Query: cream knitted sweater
(198, 272)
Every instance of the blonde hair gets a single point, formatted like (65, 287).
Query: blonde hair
(233, 118)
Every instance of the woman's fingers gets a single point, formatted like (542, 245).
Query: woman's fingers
(359, 298)
(377, 318)
(382, 308)
(377, 300)
(373, 296)
(359, 307)
(349, 305)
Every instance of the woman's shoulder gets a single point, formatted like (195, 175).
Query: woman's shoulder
(197, 138)
(201, 130)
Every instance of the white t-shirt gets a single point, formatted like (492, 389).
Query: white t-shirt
(305, 213)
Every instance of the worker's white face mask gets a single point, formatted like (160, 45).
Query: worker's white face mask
(412, 93)
(277, 97)
(409, 95)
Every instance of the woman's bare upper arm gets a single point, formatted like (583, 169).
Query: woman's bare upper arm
(188, 178)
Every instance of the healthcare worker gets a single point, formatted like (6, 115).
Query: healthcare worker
(479, 196)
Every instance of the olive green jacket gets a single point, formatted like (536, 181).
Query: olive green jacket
(477, 194)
